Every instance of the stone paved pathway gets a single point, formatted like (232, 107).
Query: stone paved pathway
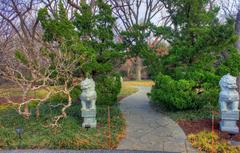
(148, 129)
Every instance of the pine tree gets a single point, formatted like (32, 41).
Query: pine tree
(96, 32)
(202, 50)
(88, 39)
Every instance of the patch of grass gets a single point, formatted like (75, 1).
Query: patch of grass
(203, 141)
(147, 83)
(127, 90)
(69, 135)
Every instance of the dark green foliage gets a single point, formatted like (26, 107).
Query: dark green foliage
(108, 88)
(75, 93)
(135, 40)
(87, 38)
(202, 51)
(57, 28)
(95, 31)
(175, 94)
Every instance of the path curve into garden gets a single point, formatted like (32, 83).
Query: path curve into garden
(148, 129)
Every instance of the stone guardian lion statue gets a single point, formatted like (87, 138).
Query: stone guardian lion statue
(88, 96)
(228, 101)
(228, 98)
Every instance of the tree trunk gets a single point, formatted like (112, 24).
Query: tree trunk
(128, 73)
(237, 28)
(26, 110)
(138, 68)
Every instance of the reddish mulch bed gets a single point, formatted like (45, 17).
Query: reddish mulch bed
(205, 124)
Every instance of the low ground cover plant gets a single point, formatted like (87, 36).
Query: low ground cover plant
(68, 135)
(203, 141)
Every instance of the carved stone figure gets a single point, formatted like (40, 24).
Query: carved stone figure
(88, 100)
(228, 98)
(228, 101)
(88, 95)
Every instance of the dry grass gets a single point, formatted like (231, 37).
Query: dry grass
(11, 91)
(147, 83)
(127, 90)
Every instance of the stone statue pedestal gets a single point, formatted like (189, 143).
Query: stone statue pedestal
(229, 121)
(89, 118)
(228, 102)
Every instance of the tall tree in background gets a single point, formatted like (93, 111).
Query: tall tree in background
(135, 19)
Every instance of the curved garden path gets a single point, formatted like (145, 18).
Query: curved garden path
(148, 129)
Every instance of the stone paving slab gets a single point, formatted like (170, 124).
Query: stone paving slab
(150, 130)
(78, 151)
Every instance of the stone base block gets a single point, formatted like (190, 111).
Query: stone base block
(89, 123)
(229, 126)
(89, 113)
(229, 115)
(89, 118)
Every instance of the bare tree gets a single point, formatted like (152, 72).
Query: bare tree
(25, 58)
(19, 18)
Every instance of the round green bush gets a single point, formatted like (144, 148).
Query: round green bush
(176, 94)
(108, 88)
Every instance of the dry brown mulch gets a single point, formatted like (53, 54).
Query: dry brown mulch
(193, 127)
